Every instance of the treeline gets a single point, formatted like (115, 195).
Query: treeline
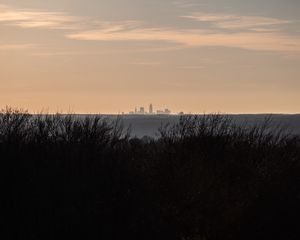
(203, 178)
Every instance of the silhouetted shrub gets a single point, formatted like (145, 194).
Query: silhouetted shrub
(203, 178)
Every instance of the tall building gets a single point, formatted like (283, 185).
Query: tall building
(142, 110)
(151, 109)
(164, 112)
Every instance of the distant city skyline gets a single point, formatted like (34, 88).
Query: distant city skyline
(141, 111)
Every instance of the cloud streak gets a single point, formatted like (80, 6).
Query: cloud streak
(236, 22)
(220, 30)
(28, 18)
(10, 47)
(272, 41)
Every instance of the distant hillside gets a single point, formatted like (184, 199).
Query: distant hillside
(148, 125)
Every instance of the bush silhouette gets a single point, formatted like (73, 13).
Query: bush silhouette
(203, 178)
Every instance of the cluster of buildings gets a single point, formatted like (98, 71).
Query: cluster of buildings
(142, 111)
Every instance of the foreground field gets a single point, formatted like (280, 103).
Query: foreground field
(202, 178)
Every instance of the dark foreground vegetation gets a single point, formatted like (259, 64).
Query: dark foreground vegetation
(204, 178)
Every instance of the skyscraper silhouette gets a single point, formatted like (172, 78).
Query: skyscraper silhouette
(151, 109)
(142, 110)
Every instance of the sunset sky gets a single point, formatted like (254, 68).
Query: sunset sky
(230, 56)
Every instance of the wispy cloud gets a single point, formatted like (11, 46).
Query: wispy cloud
(246, 32)
(10, 47)
(34, 18)
(237, 22)
(29, 18)
(272, 41)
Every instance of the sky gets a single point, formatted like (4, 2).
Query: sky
(96, 56)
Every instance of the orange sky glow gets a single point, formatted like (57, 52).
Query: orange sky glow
(110, 57)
